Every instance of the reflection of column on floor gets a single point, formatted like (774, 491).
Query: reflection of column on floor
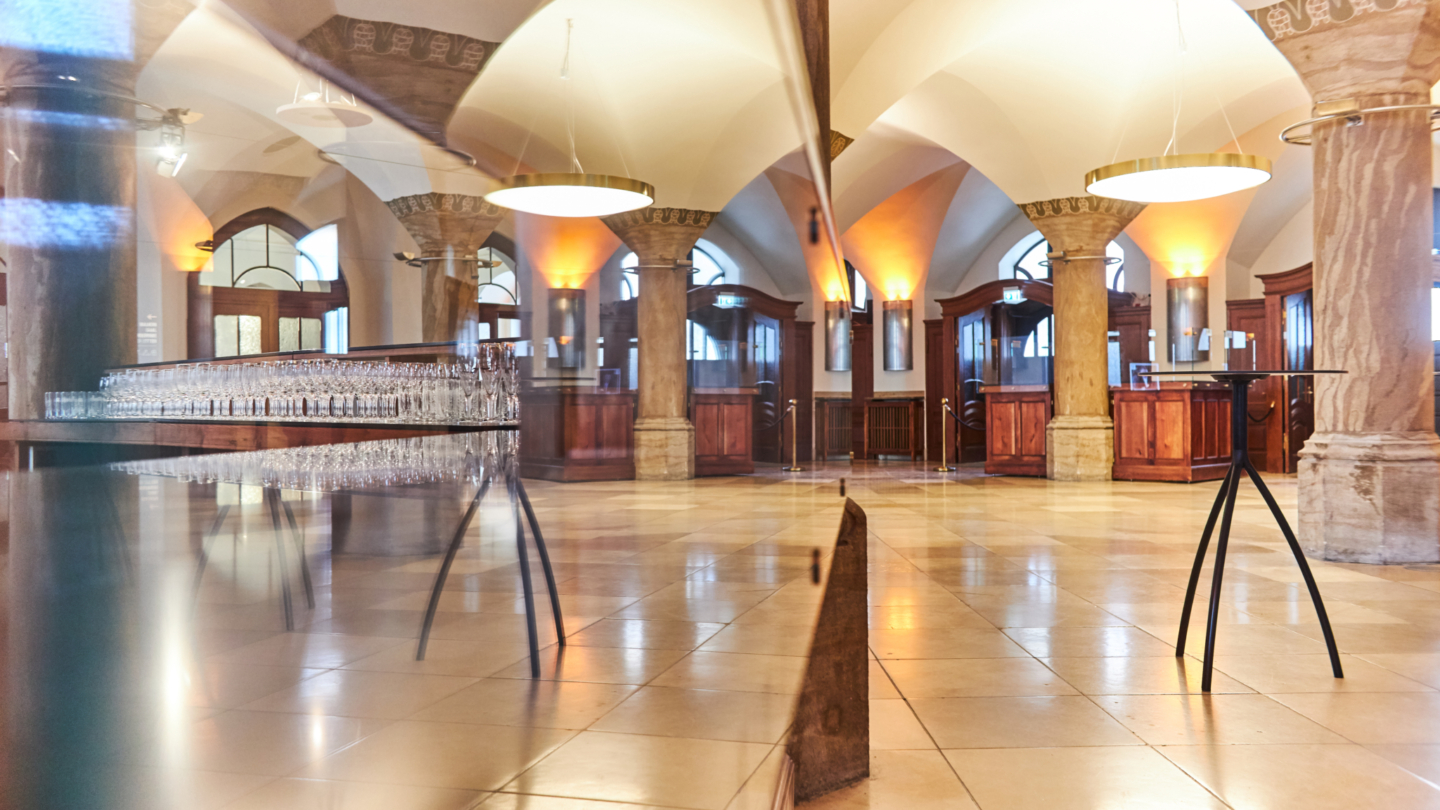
(1079, 441)
(1370, 474)
(450, 227)
(664, 437)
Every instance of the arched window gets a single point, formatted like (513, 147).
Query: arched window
(497, 284)
(263, 257)
(706, 271)
(271, 285)
(1030, 264)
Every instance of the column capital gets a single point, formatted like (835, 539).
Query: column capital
(660, 234)
(460, 222)
(1081, 223)
(1355, 48)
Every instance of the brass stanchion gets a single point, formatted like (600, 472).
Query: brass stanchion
(944, 409)
(794, 440)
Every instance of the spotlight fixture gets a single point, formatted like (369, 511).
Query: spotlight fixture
(172, 144)
(208, 245)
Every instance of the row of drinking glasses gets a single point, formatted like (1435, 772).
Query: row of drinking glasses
(467, 457)
(482, 388)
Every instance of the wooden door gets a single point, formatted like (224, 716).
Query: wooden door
(1249, 319)
(862, 378)
(1299, 391)
(973, 337)
(769, 431)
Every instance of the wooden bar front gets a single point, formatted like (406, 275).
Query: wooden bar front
(577, 434)
(1015, 420)
(1180, 432)
(724, 430)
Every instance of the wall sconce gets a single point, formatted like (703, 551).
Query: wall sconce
(567, 328)
(1187, 311)
(837, 336)
(898, 354)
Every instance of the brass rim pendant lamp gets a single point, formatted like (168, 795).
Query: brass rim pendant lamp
(1179, 177)
(576, 193)
(571, 194)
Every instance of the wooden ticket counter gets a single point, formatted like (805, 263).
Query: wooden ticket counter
(577, 433)
(724, 420)
(1175, 431)
(1015, 420)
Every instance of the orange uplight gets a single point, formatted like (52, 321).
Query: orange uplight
(176, 224)
(895, 241)
(567, 251)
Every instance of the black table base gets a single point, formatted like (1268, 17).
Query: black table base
(1241, 466)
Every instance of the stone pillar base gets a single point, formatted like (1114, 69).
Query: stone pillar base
(664, 449)
(1371, 497)
(1079, 448)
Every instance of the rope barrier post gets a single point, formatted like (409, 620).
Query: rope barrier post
(794, 440)
(944, 464)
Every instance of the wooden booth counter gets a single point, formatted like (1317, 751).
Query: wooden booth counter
(724, 420)
(577, 433)
(1015, 420)
(1178, 432)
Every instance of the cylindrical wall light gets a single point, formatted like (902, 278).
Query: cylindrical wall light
(1187, 310)
(567, 328)
(898, 354)
(837, 336)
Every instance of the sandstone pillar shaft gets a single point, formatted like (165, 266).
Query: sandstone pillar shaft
(69, 218)
(450, 228)
(1370, 474)
(1079, 441)
(661, 237)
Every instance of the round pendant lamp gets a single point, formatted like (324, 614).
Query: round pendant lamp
(564, 194)
(1178, 178)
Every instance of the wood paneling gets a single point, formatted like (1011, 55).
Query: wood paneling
(1249, 318)
(1180, 432)
(577, 434)
(892, 428)
(723, 432)
(1015, 420)
(834, 426)
(1283, 436)
(939, 428)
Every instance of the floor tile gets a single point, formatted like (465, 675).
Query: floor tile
(703, 714)
(902, 780)
(1213, 720)
(893, 726)
(666, 771)
(975, 677)
(1165, 675)
(447, 755)
(270, 743)
(1302, 777)
(1376, 717)
(524, 702)
(309, 794)
(738, 672)
(1078, 779)
(1019, 722)
(356, 693)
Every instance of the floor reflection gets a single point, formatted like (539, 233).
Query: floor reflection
(1022, 637)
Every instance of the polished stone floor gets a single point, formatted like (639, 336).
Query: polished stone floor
(1021, 637)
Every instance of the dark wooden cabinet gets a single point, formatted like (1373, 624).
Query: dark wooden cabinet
(1180, 432)
(1015, 420)
(577, 434)
(724, 433)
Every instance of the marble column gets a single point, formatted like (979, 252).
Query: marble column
(661, 237)
(1079, 441)
(1370, 474)
(451, 228)
(71, 232)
